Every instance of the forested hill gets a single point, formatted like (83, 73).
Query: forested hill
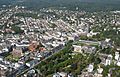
(89, 5)
(53, 2)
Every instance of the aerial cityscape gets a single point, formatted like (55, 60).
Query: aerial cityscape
(59, 38)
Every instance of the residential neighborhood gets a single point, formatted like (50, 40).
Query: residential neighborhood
(59, 43)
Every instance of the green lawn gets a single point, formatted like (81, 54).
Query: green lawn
(11, 58)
